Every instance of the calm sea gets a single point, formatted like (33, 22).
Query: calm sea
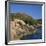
(37, 35)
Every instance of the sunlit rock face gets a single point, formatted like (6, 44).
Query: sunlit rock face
(19, 28)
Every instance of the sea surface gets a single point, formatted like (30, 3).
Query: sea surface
(37, 35)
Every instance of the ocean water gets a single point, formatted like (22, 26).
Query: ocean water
(37, 35)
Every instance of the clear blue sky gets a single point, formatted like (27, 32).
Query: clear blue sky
(33, 10)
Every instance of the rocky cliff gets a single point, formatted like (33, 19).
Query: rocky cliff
(19, 29)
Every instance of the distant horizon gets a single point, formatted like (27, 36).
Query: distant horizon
(32, 10)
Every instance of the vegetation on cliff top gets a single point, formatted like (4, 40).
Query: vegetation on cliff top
(26, 18)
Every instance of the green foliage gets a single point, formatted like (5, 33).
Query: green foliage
(26, 18)
(34, 22)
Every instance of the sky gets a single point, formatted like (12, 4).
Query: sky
(32, 10)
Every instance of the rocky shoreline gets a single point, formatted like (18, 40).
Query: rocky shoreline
(19, 29)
